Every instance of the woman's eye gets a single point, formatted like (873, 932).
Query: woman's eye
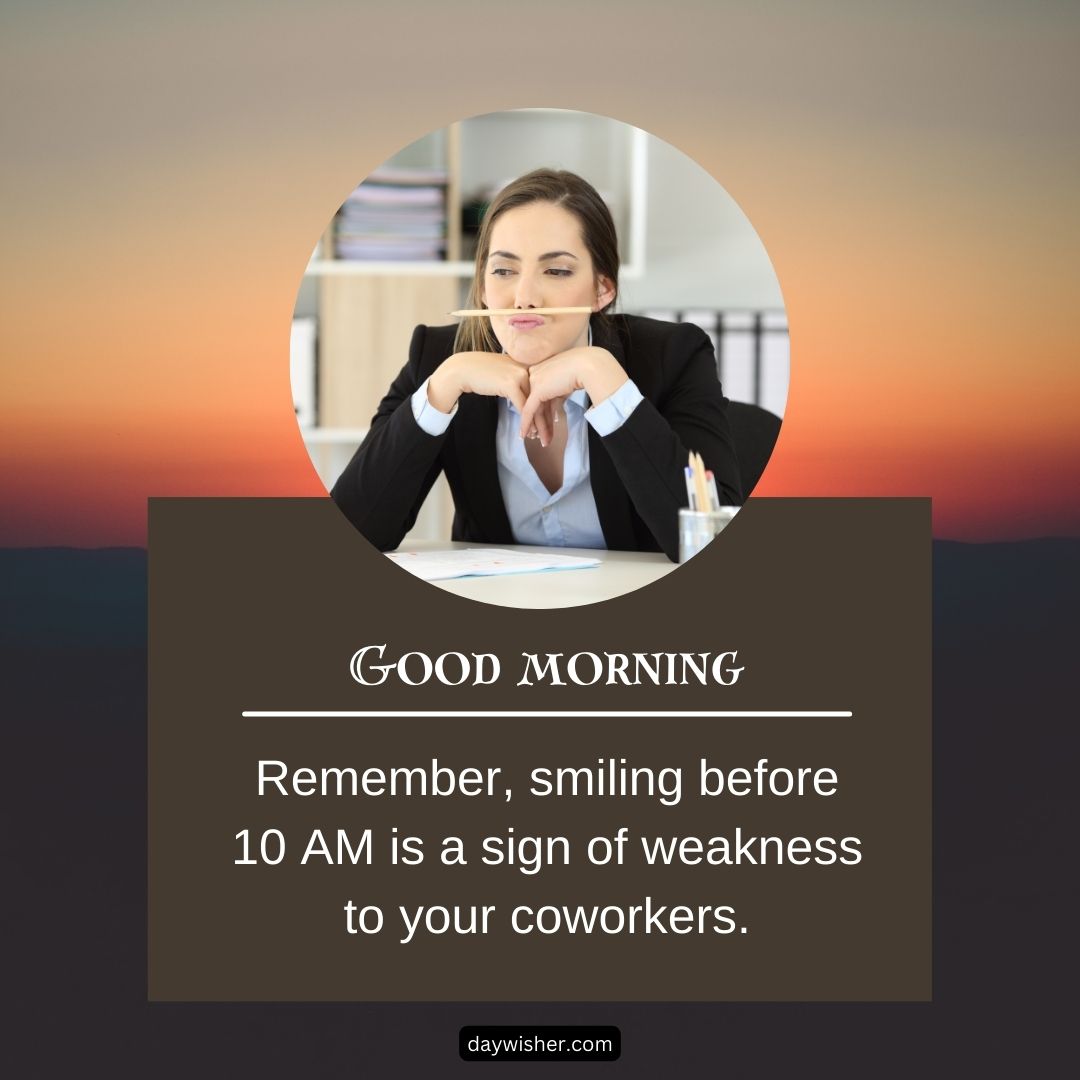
(501, 271)
(559, 271)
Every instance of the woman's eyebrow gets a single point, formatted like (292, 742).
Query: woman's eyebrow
(543, 258)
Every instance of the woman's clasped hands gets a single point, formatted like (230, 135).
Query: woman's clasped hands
(536, 390)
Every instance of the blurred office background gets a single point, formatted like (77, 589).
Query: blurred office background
(399, 252)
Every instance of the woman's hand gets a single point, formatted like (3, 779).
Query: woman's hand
(485, 373)
(490, 375)
(587, 368)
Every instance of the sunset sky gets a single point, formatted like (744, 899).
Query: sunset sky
(913, 171)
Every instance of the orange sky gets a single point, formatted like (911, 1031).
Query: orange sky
(914, 184)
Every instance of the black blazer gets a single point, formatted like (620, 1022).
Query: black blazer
(636, 472)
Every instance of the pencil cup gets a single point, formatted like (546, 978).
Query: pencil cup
(698, 527)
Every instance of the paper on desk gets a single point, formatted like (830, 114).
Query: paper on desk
(483, 562)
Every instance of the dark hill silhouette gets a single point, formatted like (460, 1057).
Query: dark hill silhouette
(73, 596)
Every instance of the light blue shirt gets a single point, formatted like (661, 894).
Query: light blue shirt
(567, 518)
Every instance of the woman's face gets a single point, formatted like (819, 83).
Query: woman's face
(538, 259)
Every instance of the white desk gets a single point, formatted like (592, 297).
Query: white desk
(619, 572)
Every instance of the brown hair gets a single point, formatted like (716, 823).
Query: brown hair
(565, 189)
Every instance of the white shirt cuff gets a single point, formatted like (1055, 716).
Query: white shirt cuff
(427, 416)
(613, 411)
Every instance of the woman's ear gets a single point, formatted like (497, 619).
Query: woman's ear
(605, 292)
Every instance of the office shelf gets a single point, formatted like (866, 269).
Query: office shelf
(366, 310)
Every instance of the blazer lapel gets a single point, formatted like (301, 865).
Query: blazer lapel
(613, 505)
(474, 435)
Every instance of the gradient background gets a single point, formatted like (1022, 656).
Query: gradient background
(912, 171)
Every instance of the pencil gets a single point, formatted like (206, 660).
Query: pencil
(714, 497)
(519, 311)
(700, 490)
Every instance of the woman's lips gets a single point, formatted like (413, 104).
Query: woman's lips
(525, 322)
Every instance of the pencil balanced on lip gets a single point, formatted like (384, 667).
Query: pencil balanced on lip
(473, 312)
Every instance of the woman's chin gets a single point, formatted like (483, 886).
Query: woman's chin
(529, 351)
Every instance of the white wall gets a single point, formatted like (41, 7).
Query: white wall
(701, 251)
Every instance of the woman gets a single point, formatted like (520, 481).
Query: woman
(563, 430)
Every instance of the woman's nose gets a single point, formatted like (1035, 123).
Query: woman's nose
(527, 293)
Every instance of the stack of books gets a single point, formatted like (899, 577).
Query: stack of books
(397, 213)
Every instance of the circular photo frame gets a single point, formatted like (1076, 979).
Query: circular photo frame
(539, 358)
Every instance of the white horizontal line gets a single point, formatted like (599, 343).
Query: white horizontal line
(462, 713)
